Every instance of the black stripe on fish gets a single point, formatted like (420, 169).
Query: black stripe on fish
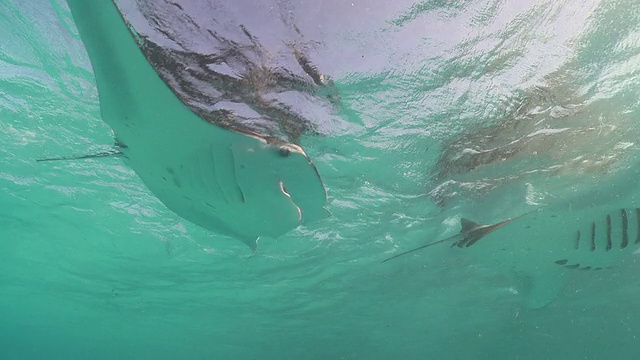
(609, 243)
(625, 229)
(577, 245)
(561, 262)
(593, 236)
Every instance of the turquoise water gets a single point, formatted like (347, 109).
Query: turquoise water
(93, 265)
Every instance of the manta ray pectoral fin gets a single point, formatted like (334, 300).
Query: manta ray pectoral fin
(82, 157)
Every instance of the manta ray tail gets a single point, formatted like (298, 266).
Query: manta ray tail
(90, 156)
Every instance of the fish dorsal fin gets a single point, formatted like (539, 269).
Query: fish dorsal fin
(468, 225)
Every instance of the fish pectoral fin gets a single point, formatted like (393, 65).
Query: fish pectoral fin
(451, 238)
(468, 225)
(82, 157)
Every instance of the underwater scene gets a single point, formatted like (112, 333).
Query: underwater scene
(216, 179)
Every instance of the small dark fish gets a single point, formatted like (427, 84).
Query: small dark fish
(117, 151)
(470, 233)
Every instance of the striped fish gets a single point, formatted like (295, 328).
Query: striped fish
(606, 236)
(235, 183)
(603, 238)
(471, 232)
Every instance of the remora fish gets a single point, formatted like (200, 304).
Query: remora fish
(538, 247)
(238, 184)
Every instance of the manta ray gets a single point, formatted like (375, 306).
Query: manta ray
(236, 183)
(592, 230)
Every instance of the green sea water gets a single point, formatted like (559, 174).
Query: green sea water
(92, 265)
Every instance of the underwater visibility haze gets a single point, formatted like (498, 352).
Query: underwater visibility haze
(500, 138)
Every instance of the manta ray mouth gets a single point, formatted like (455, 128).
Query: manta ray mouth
(284, 191)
